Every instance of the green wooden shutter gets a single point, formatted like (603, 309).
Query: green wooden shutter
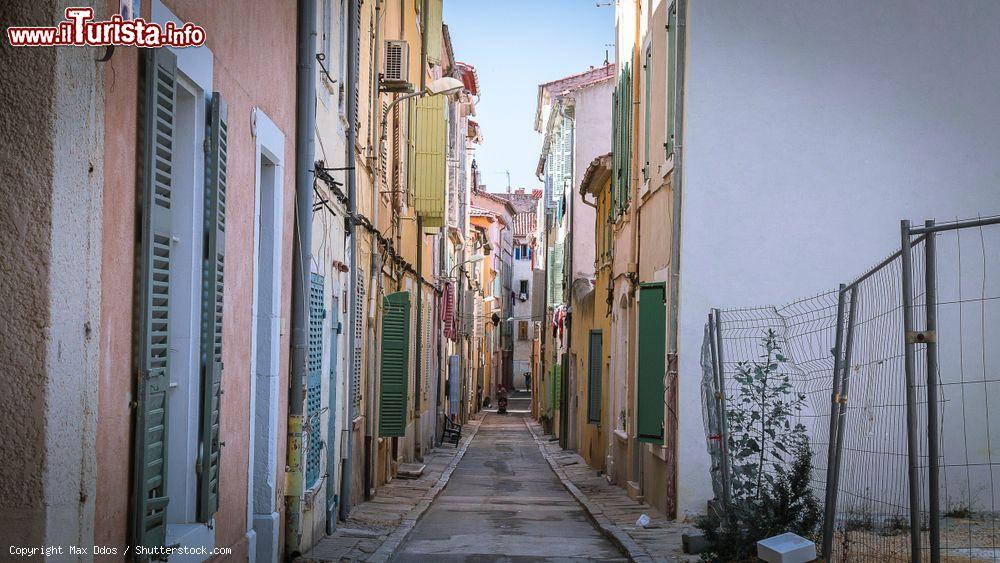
(149, 464)
(428, 160)
(622, 101)
(434, 39)
(596, 354)
(671, 78)
(314, 385)
(556, 377)
(213, 277)
(616, 153)
(652, 364)
(393, 392)
(626, 163)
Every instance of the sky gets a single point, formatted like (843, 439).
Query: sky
(516, 45)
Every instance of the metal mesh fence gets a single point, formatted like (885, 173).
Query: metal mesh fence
(872, 516)
(968, 358)
(898, 487)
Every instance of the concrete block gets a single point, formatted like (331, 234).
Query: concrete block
(694, 542)
(786, 548)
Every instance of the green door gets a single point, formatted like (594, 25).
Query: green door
(652, 363)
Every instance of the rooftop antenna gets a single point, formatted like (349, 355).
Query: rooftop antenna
(508, 182)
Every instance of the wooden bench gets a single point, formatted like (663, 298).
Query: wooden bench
(452, 432)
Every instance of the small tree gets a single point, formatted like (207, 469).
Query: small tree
(761, 434)
(771, 462)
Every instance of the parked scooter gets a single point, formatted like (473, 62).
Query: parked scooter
(501, 399)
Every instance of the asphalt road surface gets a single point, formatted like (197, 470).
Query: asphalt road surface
(504, 503)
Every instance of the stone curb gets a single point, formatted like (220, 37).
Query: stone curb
(624, 542)
(396, 538)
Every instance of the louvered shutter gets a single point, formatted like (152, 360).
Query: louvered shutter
(434, 31)
(595, 361)
(429, 138)
(213, 277)
(395, 364)
(616, 151)
(626, 163)
(314, 368)
(556, 380)
(149, 465)
(358, 337)
(652, 364)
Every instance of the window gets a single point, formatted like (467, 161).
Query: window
(594, 373)
(522, 330)
(523, 287)
(176, 430)
(522, 252)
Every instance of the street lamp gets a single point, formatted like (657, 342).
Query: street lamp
(446, 85)
(474, 258)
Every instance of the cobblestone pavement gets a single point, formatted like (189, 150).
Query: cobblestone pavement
(504, 503)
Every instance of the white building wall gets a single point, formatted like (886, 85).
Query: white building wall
(592, 138)
(811, 129)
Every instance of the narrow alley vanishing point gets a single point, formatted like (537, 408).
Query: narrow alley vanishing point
(261, 298)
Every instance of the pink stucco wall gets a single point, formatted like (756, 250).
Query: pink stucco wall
(253, 44)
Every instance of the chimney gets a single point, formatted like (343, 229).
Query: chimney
(519, 191)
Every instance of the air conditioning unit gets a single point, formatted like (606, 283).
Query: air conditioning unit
(396, 74)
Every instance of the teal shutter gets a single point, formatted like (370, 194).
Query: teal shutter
(395, 364)
(596, 361)
(652, 365)
(149, 464)
(615, 153)
(314, 369)
(213, 278)
(621, 148)
(671, 78)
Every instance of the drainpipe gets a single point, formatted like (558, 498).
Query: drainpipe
(675, 230)
(375, 288)
(353, 30)
(638, 447)
(305, 125)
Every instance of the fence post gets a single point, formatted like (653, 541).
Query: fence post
(930, 337)
(723, 420)
(720, 408)
(830, 508)
(906, 261)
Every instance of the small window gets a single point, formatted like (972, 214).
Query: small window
(522, 330)
(524, 287)
(517, 253)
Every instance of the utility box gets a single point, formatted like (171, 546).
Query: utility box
(786, 548)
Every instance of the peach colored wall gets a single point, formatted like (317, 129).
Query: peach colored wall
(253, 44)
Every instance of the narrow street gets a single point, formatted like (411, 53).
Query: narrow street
(504, 503)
